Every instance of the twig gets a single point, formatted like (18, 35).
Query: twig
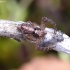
(9, 29)
(59, 41)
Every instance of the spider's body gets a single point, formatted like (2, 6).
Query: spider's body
(33, 32)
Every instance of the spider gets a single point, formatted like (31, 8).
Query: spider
(35, 33)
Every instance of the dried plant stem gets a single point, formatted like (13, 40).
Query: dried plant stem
(9, 29)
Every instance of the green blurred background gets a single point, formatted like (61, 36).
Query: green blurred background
(12, 53)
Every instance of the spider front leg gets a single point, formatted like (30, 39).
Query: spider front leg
(45, 20)
(38, 47)
(38, 44)
(42, 47)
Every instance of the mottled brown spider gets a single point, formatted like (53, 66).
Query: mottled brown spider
(35, 33)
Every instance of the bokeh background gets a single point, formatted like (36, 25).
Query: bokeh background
(23, 55)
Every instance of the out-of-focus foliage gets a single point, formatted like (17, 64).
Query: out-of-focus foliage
(13, 53)
(46, 63)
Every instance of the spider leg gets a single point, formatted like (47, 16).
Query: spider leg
(38, 44)
(27, 37)
(43, 23)
(49, 47)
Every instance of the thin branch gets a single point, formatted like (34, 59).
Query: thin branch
(9, 29)
(60, 41)
(61, 45)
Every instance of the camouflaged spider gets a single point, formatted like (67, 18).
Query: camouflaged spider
(35, 33)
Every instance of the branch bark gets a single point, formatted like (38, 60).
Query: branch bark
(9, 29)
(60, 41)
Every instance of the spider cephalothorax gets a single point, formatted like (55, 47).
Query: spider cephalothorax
(35, 33)
(31, 31)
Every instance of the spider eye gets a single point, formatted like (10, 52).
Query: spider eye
(35, 35)
(37, 28)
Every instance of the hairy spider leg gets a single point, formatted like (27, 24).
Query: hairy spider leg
(43, 25)
(45, 20)
(38, 43)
